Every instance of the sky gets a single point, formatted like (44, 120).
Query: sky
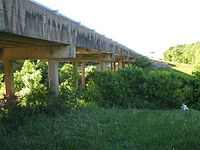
(144, 26)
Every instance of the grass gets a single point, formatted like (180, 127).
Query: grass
(185, 68)
(106, 129)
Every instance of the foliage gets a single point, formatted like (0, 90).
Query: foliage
(142, 62)
(2, 85)
(133, 79)
(187, 53)
(67, 87)
(106, 129)
(196, 72)
(195, 89)
(18, 65)
(28, 80)
(43, 67)
(133, 87)
(36, 98)
(140, 88)
(107, 89)
(1, 67)
(164, 87)
(66, 74)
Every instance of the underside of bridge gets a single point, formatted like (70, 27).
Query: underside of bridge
(14, 47)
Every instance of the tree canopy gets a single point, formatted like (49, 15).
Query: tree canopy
(186, 53)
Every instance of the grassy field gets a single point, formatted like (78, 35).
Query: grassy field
(185, 68)
(104, 129)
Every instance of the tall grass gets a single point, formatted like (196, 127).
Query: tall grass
(106, 129)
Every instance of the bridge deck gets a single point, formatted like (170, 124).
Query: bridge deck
(35, 25)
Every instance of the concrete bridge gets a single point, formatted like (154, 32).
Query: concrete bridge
(29, 30)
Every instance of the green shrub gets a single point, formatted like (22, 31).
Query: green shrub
(120, 89)
(93, 92)
(193, 94)
(139, 88)
(37, 99)
(67, 89)
(28, 83)
(133, 79)
(164, 88)
(66, 74)
(108, 89)
(143, 62)
(196, 73)
(43, 67)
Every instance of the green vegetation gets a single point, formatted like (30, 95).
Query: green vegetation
(106, 129)
(142, 62)
(134, 108)
(135, 87)
(186, 68)
(187, 53)
(131, 87)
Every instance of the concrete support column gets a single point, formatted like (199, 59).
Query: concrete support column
(83, 75)
(114, 66)
(75, 65)
(53, 76)
(111, 66)
(1, 4)
(102, 65)
(123, 64)
(120, 64)
(9, 78)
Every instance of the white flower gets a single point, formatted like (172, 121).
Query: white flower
(184, 107)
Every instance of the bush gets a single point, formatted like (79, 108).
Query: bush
(108, 89)
(133, 79)
(93, 92)
(119, 89)
(164, 88)
(143, 62)
(28, 84)
(139, 88)
(43, 67)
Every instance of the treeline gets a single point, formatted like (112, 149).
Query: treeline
(187, 53)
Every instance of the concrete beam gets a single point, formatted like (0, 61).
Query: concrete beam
(53, 76)
(47, 52)
(9, 78)
(86, 59)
